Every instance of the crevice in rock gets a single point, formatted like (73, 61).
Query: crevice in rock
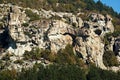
(95, 26)
(6, 40)
(73, 38)
(3, 39)
(46, 33)
(79, 54)
(86, 25)
(98, 32)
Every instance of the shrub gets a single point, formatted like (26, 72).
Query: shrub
(96, 73)
(109, 59)
(56, 17)
(52, 1)
(116, 33)
(18, 62)
(66, 56)
(25, 24)
(85, 16)
(59, 72)
(48, 55)
(31, 15)
(35, 53)
(8, 74)
(54, 72)
(106, 40)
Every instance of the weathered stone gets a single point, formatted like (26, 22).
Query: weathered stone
(117, 46)
(48, 33)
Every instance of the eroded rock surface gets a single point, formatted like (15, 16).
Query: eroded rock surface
(55, 34)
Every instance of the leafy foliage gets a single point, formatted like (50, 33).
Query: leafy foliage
(59, 72)
(18, 61)
(8, 75)
(109, 59)
(31, 15)
(35, 53)
(66, 56)
(65, 5)
(25, 24)
(53, 72)
(99, 74)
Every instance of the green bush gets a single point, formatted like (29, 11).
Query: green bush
(31, 15)
(56, 17)
(18, 62)
(66, 56)
(109, 59)
(99, 74)
(8, 74)
(53, 72)
(35, 53)
(59, 72)
(106, 38)
(25, 24)
(52, 1)
(48, 55)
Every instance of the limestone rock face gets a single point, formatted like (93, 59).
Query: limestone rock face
(16, 19)
(109, 24)
(92, 50)
(59, 41)
(92, 46)
(58, 35)
(55, 34)
(117, 46)
(80, 22)
(103, 21)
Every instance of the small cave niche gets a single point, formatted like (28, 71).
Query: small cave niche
(95, 26)
(86, 25)
(98, 32)
(79, 54)
(104, 28)
(95, 20)
(4, 39)
(114, 50)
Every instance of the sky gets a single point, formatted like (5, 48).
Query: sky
(115, 4)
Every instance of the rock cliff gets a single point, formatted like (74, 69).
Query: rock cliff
(53, 31)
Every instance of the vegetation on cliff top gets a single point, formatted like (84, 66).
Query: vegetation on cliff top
(65, 5)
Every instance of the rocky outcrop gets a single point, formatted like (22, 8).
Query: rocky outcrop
(17, 17)
(117, 46)
(55, 34)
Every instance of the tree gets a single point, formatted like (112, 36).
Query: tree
(66, 56)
